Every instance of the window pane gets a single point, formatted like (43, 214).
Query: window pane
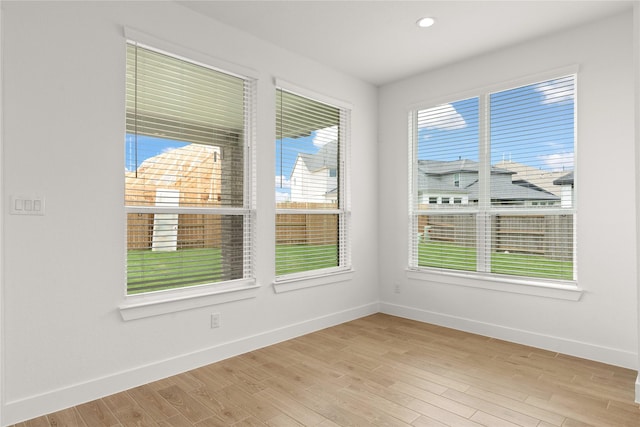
(175, 250)
(447, 154)
(447, 241)
(533, 246)
(184, 148)
(532, 145)
(307, 152)
(528, 171)
(310, 176)
(306, 242)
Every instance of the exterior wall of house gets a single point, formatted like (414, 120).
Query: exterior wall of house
(603, 324)
(313, 187)
(566, 196)
(65, 341)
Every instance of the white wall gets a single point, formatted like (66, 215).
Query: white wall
(64, 75)
(636, 73)
(603, 324)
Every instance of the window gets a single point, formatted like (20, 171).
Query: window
(188, 173)
(510, 156)
(311, 203)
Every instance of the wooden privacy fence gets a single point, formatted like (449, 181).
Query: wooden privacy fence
(548, 235)
(194, 231)
(306, 229)
(202, 231)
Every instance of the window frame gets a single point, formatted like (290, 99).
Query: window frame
(136, 306)
(344, 270)
(553, 288)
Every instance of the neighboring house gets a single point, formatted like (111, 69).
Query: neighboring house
(191, 172)
(566, 184)
(314, 177)
(544, 179)
(456, 182)
(188, 176)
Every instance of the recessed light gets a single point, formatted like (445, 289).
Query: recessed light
(425, 22)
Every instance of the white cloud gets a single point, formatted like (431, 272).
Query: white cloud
(558, 161)
(323, 136)
(282, 182)
(556, 91)
(443, 117)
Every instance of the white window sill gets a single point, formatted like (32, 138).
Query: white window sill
(549, 289)
(293, 284)
(171, 301)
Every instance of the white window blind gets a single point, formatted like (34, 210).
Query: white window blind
(492, 183)
(188, 173)
(311, 220)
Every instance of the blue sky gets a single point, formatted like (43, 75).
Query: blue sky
(533, 125)
(148, 146)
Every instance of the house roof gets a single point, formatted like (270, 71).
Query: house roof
(505, 191)
(543, 179)
(326, 157)
(439, 167)
(194, 170)
(501, 189)
(565, 179)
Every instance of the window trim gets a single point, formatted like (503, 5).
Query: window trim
(302, 280)
(562, 289)
(546, 288)
(137, 306)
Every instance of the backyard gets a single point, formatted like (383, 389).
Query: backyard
(153, 271)
(457, 257)
(159, 270)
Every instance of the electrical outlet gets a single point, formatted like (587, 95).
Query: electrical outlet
(396, 287)
(215, 320)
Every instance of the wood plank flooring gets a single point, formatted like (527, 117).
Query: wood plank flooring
(376, 371)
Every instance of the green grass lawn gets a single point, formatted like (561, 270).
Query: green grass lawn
(450, 256)
(154, 271)
(295, 258)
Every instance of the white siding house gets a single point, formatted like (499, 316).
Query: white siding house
(314, 177)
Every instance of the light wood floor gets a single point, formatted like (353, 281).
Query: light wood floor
(379, 370)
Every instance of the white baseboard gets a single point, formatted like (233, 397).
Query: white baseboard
(55, 400)
(612, 356)
(638, 388)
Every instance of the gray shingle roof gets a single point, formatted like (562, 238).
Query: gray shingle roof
(502, 187)
(438, 167)
(565, 179)
(506, 191)
(326, 157)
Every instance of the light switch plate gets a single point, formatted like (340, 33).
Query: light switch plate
(26, 205)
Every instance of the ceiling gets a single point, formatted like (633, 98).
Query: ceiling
(378, 41)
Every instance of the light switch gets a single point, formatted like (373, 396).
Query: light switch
(26, 205)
